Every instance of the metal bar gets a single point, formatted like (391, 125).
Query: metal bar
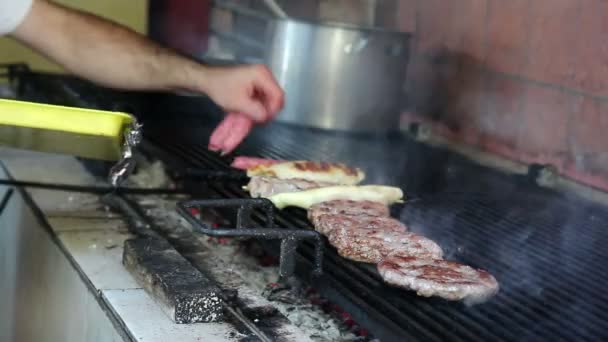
(137, 222)
(91, 189)
(238, 314)
(7, 196)
(287, 264)
(199, 174)
(289, 237)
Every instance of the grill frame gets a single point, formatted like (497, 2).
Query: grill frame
(565, 234)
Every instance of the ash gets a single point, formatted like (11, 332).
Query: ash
(230, 260)
(149, 175)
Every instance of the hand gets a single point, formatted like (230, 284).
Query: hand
(250, 90)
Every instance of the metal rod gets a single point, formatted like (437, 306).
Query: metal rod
(238, 314)
(289, 237)
(135, 220)
(91, 189)
(7, 196)
(199, 174)
(287, 259)
(243, 217)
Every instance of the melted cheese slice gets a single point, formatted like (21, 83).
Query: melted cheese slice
(307, 198)
(334, 173)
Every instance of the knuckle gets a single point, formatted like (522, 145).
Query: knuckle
(261, 70)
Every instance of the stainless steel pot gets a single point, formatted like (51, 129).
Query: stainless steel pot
(335, 76)
(338, 77)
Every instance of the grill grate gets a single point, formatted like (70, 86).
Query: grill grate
(545, 249)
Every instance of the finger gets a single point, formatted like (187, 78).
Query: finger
(218, 135)
(239, 132)
(271, 94)
(241, 163)
(221, 132)
(254, 109)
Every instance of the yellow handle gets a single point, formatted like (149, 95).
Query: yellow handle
(66, 119)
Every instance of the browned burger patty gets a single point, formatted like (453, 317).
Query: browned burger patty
(326, 224)
(261, 186)
(446, 279)
(372, 246)
(347, 208)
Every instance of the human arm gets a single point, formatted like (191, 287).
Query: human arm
(114, 56)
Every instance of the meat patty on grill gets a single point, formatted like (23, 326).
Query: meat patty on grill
(260, 186)
(373, 245)
(347, 208)
(435, 277)
(327, 223)
(246, 163)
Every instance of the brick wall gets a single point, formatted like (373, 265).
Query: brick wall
(527, 79)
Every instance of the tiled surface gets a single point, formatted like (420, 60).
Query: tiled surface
(147, 322)
(95, 242)
(99, 332)
(99, 255)
(62, 222)
(43, 297)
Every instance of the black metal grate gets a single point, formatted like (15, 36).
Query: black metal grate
(191, 211)
(546, 250)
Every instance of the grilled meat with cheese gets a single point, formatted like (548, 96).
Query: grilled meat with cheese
(335, 173)
(305, 199)
(265, 187)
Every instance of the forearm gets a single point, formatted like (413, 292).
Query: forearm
(106, 53)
